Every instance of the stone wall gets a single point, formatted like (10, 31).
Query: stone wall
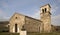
(22, 21)
(31, 24)
(46, 18)
(16, 19)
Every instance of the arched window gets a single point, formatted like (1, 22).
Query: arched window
(43, 10)
(16, 17)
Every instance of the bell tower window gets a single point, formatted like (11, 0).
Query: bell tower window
(43, 10)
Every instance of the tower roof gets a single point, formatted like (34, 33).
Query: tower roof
(46, 4)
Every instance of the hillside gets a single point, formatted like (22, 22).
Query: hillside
(4, 26)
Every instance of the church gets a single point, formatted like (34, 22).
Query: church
(20, 22)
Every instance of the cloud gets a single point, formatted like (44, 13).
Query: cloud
(4, 3)
(36, 15)
(1, 12)
(56, 20)
(3, 19)
(58, 1)
(54, 8)
(3, 16)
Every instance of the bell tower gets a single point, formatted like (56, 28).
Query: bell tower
(46, 18)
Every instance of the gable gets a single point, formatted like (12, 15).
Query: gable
(16, 16)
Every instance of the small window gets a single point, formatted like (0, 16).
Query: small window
(43, 10)
(16, 17)
(23, 28)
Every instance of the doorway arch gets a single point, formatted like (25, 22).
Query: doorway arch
(15, 27)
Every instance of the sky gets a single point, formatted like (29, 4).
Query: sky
(30, 8)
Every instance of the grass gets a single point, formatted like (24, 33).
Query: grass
(32, 33)
(53, 33)
(6, 33)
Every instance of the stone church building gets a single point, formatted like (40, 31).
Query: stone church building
(20, 22)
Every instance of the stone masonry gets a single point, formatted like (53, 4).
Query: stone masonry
(30, 24)
(46, 18)
(18, 21)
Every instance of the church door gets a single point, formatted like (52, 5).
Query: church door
(15, 27)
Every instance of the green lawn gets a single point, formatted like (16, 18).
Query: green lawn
(54, 33)
(9, 33)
